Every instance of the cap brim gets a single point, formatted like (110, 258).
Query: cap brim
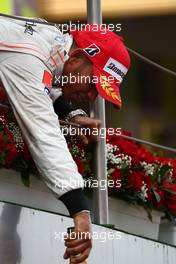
(108, 90)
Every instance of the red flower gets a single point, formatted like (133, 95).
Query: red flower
(144, 155)
(26, 154)
(2, 144)
(1, 139)
(136, 181)
(148, 181)
(170, 197)
(80, 165)
(171, 202)
(116, 177)
(169, 186)
(163, 160)
(128, 147)
(135, 160)
(11, 155)
(3, 96)
(172, 207)
(7, 146)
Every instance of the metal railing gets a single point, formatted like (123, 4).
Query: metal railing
(100, 197)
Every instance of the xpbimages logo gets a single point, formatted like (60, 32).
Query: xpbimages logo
(88, 183)
(83, 79)
(86, 131)
(78, 26)
(101, 236)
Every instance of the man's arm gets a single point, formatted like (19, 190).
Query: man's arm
(62, 108)
(70, 113)
(75, 200)
(81, 245)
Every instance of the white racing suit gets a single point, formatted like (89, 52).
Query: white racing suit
(29, 55)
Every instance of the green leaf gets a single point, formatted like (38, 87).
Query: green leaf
(167, 190)
(163, 171)
(25, 177)
(157, 196)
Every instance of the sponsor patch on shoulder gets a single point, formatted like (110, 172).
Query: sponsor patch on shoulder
(116, 69)
(47, 79)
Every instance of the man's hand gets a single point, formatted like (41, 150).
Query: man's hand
(91, 125)
(80, 244)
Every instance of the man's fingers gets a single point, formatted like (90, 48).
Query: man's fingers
(65, 255)
(90, 131)
(79, 242)
(98, 123)
(83, 256)
(78, 249)
(83, 140)
(92, 122)
(78, 236)
(76, 242)
(87, 121)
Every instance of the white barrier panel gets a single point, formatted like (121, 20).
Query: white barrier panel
(32, 236)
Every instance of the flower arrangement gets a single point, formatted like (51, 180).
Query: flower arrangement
(139, 176)
(14, 153)
(146, 179)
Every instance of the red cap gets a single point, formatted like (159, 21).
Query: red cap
(110, 57)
